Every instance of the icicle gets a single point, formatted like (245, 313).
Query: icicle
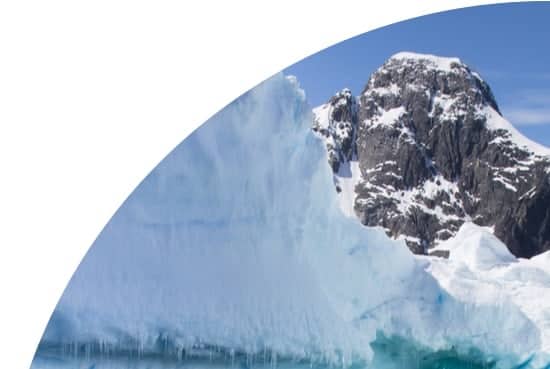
(232, 356)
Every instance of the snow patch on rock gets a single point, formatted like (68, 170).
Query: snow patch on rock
(444, 64)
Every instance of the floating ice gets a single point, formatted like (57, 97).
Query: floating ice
(235, 245)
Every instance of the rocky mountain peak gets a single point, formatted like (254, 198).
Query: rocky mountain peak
(408, 76)
(424, 148)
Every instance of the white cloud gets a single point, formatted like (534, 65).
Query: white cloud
(528, 116)
(528, 107)
(537, 98)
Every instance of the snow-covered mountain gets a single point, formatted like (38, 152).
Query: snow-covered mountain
(424, 149)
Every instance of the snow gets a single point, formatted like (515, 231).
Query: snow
(432, 187)
(495, 121)
(407, 200)
(348, 176)
(529, 194)
(387, 117)
(237, 241)
(322, 116)
(393, 89)
(505, 183)
(437, 62)
(450, 107)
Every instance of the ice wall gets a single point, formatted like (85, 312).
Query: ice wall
(236, 241)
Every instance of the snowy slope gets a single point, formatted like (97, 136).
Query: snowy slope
(236, 243)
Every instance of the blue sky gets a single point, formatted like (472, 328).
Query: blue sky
(508, 44)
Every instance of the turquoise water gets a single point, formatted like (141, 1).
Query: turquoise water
(156, 363)
(388, 354)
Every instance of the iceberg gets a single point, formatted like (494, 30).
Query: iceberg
(235, 248)
(481, 270)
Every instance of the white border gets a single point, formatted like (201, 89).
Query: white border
(94, 94)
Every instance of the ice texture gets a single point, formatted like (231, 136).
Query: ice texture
(481, 269)
(236, 242)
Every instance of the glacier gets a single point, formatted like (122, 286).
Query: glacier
(235, 247)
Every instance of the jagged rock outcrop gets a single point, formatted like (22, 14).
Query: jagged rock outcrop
(427, 149)
(336, 124)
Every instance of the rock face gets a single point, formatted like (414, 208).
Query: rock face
(427, 149)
